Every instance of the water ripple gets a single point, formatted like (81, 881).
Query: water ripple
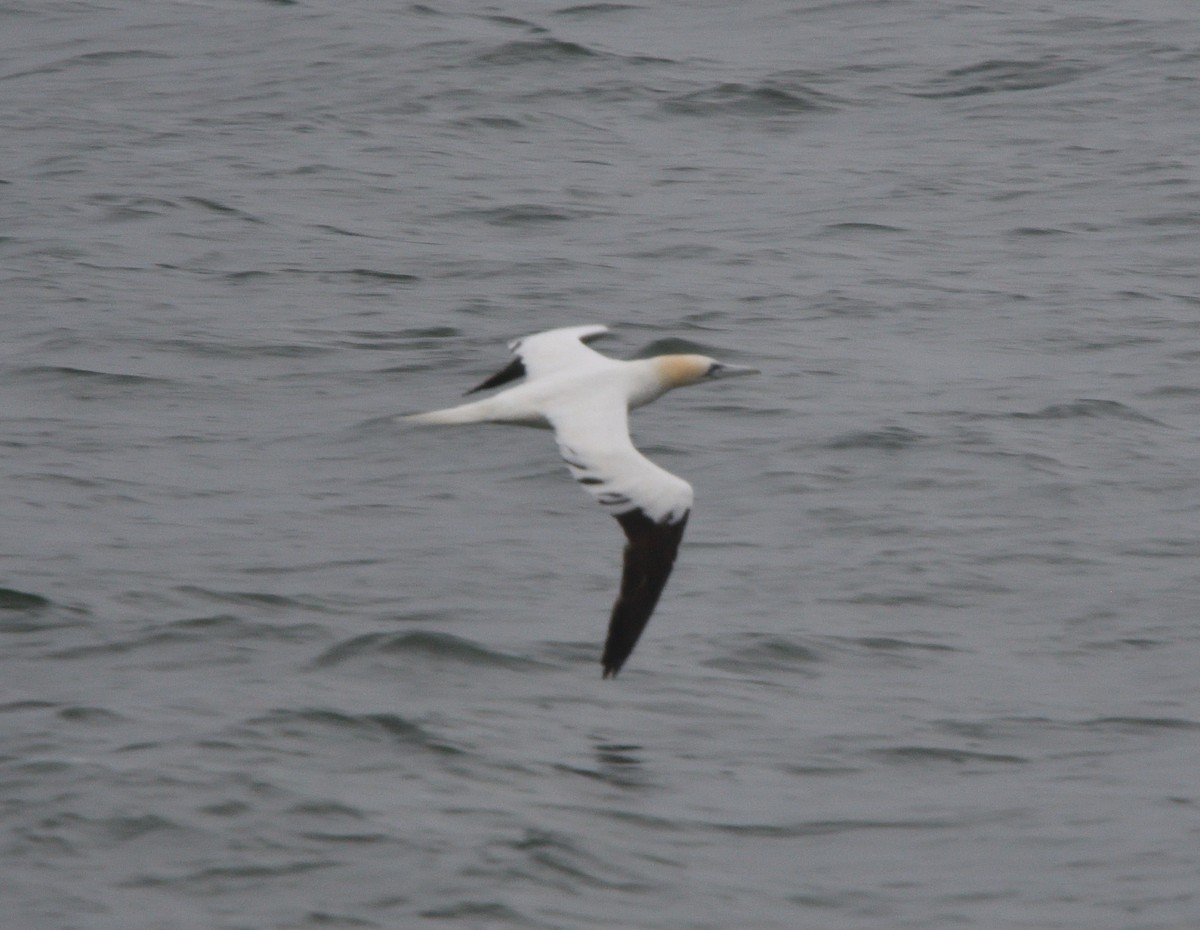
(426, 646)
(308, 724)
(1089, 408)
(12, 599)
(998, 75)
(527, 51)
(904, 755)
(754, 101)
(763, 652)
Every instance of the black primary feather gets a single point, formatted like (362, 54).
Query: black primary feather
(649, 557)
(515, 370)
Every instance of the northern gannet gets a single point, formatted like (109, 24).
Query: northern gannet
(585, 397)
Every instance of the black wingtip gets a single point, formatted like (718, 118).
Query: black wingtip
(515, 370)
(649, 556)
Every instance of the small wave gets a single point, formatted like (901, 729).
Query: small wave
(20, 707)
(92, 59)
(382, 727)
(122, 829)
(240, 350)
(1027, 728)
(360, 837)
(557, 860)
(477, 913)
(389, 340)
(89, 376)
(375, 274)
(225, 879)
(1176, 390)
(889, 439)
(241, 277)
(12, 599)
(1034, 231)
(946, 596)
(890, 650)
(327, 274)
(105, 831)
(1123, 643)
(503, 19)
(617, 764)
(177, 643)
(1186, 218)
(89, 715)
(892, 644)
(997, 75)
(861, 227)
(119, 209)
(761, 100)
(829, 827)
(1141, 724)
(936, 754)
(328, 810)
(1186, 548)
(491, 122)
(1088, 407)
(105, 58)
(685, 251)
(340, 231)
(757, 652)
(528, 214)
(442, 647)
(593, 9)
(124, 646)
(215, 206)
(255, 598)
(1045, 464)
(524, 51)
(228, 626)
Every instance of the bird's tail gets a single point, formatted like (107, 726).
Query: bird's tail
(490, 409)
(477, 412)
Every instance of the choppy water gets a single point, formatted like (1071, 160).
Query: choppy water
(929, 657)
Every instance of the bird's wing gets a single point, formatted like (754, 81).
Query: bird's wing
(650, 503)
(545, 353)
(649, 557)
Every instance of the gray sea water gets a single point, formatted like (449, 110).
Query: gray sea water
(929, 659)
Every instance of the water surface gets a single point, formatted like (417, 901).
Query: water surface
(928, 658)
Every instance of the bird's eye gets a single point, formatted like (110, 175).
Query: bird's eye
(714, 368)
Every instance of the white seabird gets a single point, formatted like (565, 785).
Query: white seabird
(585, 397)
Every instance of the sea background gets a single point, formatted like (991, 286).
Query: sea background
(930, 657)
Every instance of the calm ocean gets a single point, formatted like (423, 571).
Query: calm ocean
(272, 660)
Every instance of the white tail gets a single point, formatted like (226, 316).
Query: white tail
(479, 411)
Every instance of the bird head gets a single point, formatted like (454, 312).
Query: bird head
(679, 370)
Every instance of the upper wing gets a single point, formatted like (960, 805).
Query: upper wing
(650, 503)
(547, 352)
(543, 353)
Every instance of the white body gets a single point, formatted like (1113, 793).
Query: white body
(585, 398)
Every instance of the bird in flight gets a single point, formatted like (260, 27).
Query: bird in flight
(585, 397)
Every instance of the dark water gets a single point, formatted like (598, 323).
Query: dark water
(929, 658)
